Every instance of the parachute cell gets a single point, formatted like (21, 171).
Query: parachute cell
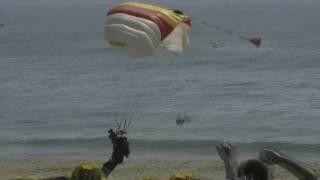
(139, 29)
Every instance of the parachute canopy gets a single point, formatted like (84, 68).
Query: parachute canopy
(139, 29)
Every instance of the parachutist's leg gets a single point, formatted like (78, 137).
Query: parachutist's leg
(108, 167)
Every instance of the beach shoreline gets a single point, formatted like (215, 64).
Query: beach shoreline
(130, 169)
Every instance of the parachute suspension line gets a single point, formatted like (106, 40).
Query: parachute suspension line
(2, 21)
(256, 41)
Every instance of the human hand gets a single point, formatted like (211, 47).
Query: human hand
(228, 154)
(227, 151)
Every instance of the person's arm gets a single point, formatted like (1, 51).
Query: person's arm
(228, 153)
(272, 157)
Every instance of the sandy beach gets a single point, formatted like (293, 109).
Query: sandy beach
(135, 170)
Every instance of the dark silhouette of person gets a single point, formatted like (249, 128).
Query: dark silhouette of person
(120, 150)
(258, 169)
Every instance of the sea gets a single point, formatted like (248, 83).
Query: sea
(62, 86)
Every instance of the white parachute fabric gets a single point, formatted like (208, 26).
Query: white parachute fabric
(136, 36)
(178, 40)
(139, 29)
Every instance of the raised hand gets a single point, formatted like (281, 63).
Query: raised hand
(228, 153)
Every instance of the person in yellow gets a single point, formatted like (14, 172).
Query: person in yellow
(93, 171)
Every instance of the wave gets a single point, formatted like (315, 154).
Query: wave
(159, 144)
(97, 147)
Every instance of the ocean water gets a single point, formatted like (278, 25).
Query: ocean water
(62, 86)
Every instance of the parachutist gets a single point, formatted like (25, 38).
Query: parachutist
(120, 146)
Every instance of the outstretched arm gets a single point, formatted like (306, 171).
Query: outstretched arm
(273, 157)
(228, 153)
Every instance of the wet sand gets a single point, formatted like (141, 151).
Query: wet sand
(135, 170)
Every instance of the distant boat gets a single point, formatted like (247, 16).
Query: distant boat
(181, 119)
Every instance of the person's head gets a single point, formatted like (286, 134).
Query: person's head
(87, 172)
(254, 170)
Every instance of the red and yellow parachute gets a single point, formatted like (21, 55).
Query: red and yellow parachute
(139, 29)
